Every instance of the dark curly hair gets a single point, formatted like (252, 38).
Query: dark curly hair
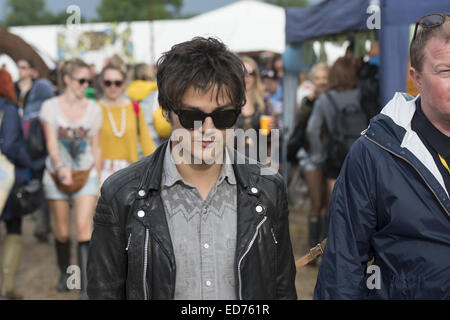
(203, 64)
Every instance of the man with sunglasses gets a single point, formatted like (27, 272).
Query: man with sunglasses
(194, 220)
(391, 206)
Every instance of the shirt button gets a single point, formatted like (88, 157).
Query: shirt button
(141, 213)
(254, 190)
(204, 211)
(208, 283)
(206, 246)
(141, 193)
(259, 209)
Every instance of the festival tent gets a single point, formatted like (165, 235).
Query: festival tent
(244, 26)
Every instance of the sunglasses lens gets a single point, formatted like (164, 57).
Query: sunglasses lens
(222, 119)
(109, 83)
(432, 21)
(83, 81)
(188, 118)
(225, 119)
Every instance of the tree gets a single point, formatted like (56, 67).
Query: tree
(25, 12)
(288, 3)
(132, 10)
(32, 12)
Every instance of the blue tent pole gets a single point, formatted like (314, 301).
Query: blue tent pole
(290, 84)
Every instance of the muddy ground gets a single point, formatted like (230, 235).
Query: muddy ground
(38, 273)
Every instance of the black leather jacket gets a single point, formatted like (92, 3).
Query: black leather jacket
(131, 254)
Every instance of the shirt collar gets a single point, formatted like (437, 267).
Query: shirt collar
(172, 176)
(439, 141)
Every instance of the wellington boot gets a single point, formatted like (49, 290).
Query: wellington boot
(63, 257)
(12, 252)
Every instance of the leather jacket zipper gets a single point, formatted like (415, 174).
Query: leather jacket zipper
(129, 241)
(144, 278)
(245, 253)
(420, 174)
(273, 235)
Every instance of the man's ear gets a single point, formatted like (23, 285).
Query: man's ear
(416, 77)
(166, 115)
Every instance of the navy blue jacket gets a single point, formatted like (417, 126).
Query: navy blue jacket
(13, 146)
(390, 205)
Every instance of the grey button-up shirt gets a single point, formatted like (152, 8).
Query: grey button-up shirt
(203, 233)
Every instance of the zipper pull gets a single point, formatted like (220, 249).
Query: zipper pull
(129, 241)
(273, 235)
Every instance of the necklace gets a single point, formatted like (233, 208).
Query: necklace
(118, 134)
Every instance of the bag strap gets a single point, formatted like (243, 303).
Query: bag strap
(336, 111)
(136, 111)
(313, 254)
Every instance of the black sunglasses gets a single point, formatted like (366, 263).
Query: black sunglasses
(82, 81)
(430, 21)
(109, 83)
(222, 118)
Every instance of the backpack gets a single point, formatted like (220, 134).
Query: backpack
(347, 127)
(369, 86)
(298, 139)
(295, 142)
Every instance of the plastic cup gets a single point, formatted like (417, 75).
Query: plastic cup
(264, 124)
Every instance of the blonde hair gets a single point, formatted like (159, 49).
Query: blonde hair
(144, 71)
(256, 93)
(317, 67)
(68, 68)
(115, 63)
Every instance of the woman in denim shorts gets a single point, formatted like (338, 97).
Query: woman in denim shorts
(72, 124)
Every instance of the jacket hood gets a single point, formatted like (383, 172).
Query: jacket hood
(392, 130)
(139, 89)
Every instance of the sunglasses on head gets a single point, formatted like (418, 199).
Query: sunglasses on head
(109, 83)
(82, 81)
(430, 21)
(222, 118)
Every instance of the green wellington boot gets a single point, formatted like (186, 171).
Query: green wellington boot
(12, 252)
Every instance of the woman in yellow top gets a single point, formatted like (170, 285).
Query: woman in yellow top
(122, 129)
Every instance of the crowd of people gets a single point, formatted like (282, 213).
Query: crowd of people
(94, 124)
(379, 192)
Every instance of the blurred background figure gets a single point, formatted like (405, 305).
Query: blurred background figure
(273, 100)
(305, 88)
(336, 121)
(312, 172)
(31, 92)
(143, 90)
(13, 146)
(277, 65)
(72, 127)
(124, 128)
(254, 107)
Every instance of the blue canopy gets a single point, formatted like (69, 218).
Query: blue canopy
(336, 16)
(325, 18)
